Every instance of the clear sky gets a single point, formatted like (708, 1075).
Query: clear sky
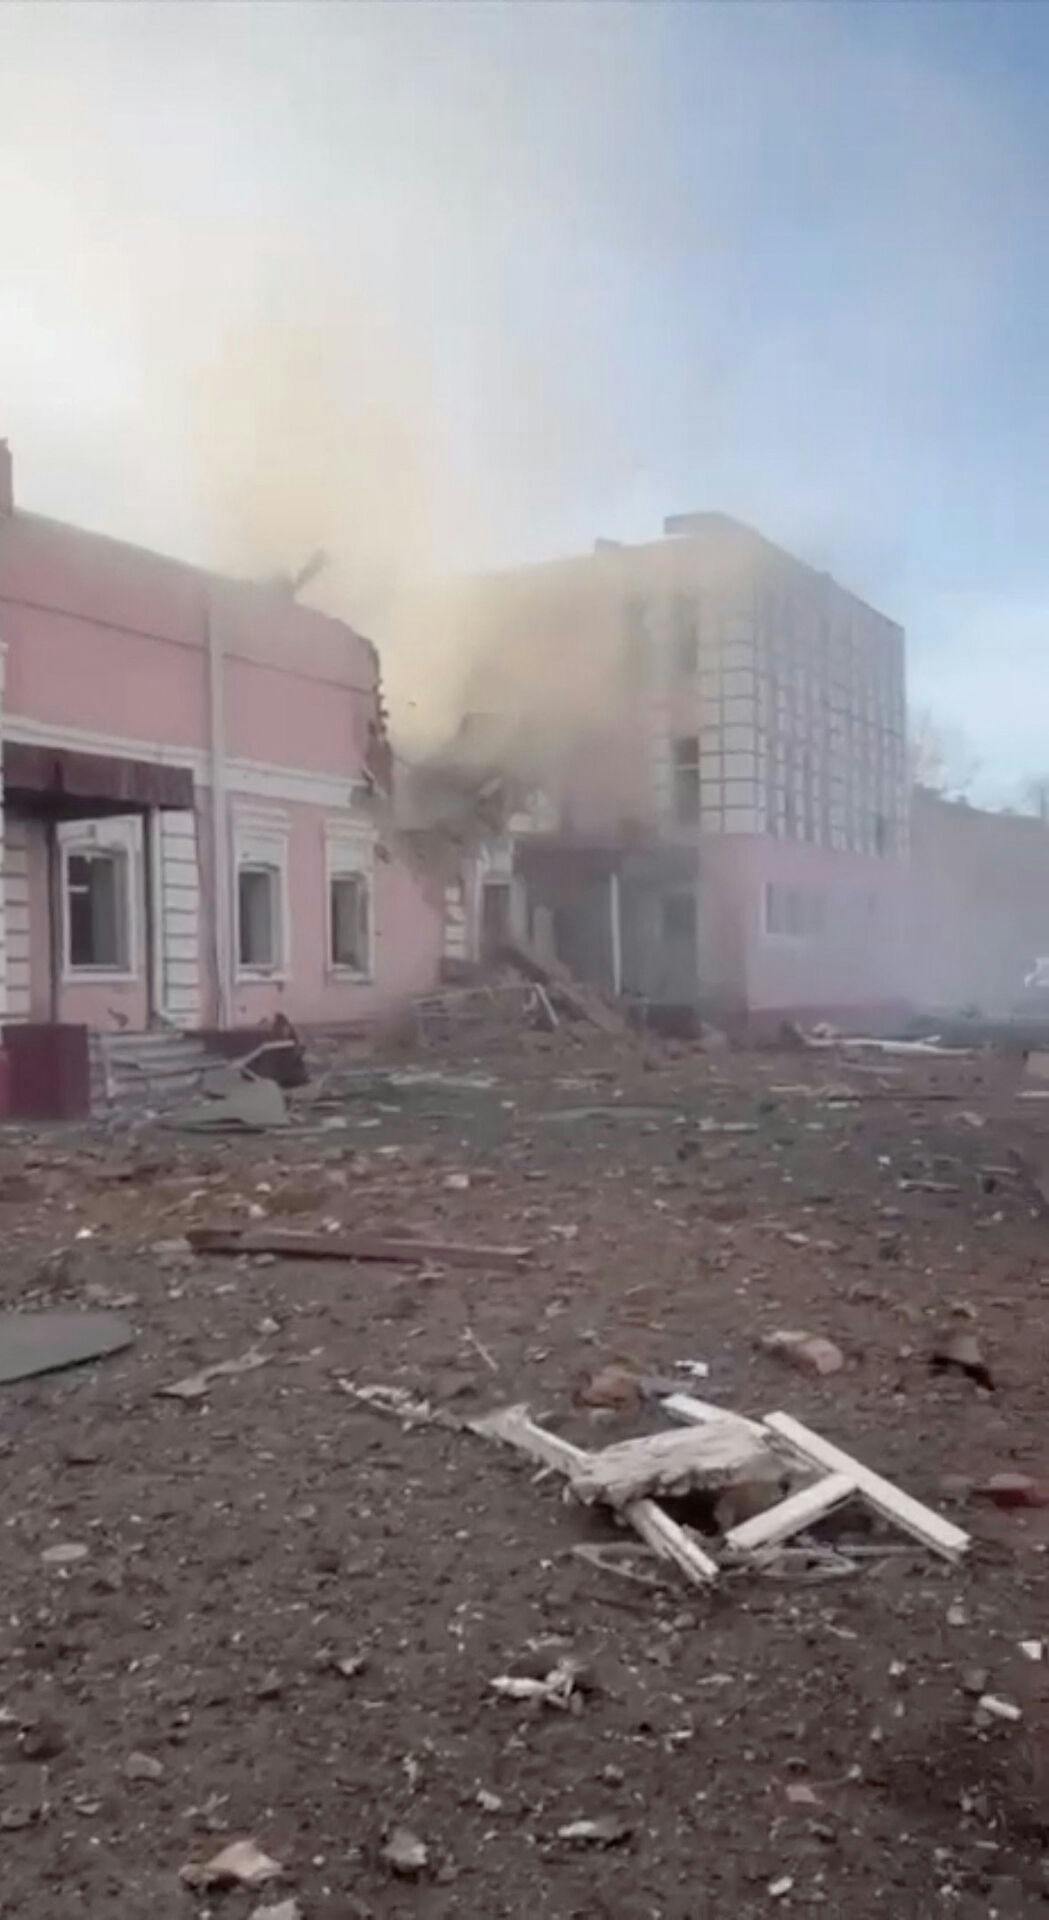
(448, 284)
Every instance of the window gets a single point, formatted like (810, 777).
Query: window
(349, 858)
(686, 780)
(350, 939)
(798, 913)
(97, 909)
(261, 899)
(685, 633)
(259, 943)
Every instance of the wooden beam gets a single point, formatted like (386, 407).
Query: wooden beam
(354, 1246)
(934, 1532)
(789, 1516)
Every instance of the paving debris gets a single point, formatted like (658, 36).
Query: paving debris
(241, 1864)
(810, 1352)
(195, 1385)
(37, 1342)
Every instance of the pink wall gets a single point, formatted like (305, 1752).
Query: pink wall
(111, 640)
(855, 962)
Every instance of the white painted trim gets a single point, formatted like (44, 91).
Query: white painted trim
(261, 779)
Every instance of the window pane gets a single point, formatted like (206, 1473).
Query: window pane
(349, 922)
(257, 916)
(96, 904)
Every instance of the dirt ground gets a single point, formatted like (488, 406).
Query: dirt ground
(771, 1746)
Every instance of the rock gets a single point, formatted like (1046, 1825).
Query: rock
(810, 1352)
(614, 1387)
(284, 1910)
(270, 1687)
(1013, 1490)
(65, 1555)
(405, 1854)
(241, 1864)
(142, 1766)
(43, 1741)
(606, 1831)
(961, 1352)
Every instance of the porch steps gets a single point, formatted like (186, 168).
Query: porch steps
(154, 1067)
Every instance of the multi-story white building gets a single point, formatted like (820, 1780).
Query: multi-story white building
(722, 732)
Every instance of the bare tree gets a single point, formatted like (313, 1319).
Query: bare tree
(941, 758)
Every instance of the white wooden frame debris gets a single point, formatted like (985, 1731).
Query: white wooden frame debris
(514, 1428)
(840, 1479)
(844, 1478)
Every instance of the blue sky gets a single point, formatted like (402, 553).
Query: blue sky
(454, 284)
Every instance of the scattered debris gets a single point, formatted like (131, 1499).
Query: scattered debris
(1013, 1490)
(860, 1043)
(404, 1853)
(778, 1888)
(554, 1689)
(341, 1246)
(808, 1351)
(672, 1464)
(241, 1864)
(195, 1385)
(32, 1343)
(560, 988)
(284, 1910)
(65, 1555)
(1033, 1649)
(998, 1709)
(606, 1831)
(142, 1766)
(961, 1352)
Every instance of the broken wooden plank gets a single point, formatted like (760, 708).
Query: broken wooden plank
(801, 1509)
(688, 1407)
(514, 1427)
(671, 1542)
(934, 1532)
(354, 1246)
(679, 1461)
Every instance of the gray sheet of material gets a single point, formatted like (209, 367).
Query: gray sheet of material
(32, 1343)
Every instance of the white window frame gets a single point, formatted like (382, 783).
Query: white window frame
(349, 854)
(122, 839)
(261, 839)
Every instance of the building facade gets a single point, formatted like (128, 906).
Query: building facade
(726, 753)
(196, 820)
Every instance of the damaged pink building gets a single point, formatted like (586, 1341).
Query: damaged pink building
(196, 789)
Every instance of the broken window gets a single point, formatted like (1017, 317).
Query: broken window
(350, 922)
(97, 905)
(686, 780)
(259, 942)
